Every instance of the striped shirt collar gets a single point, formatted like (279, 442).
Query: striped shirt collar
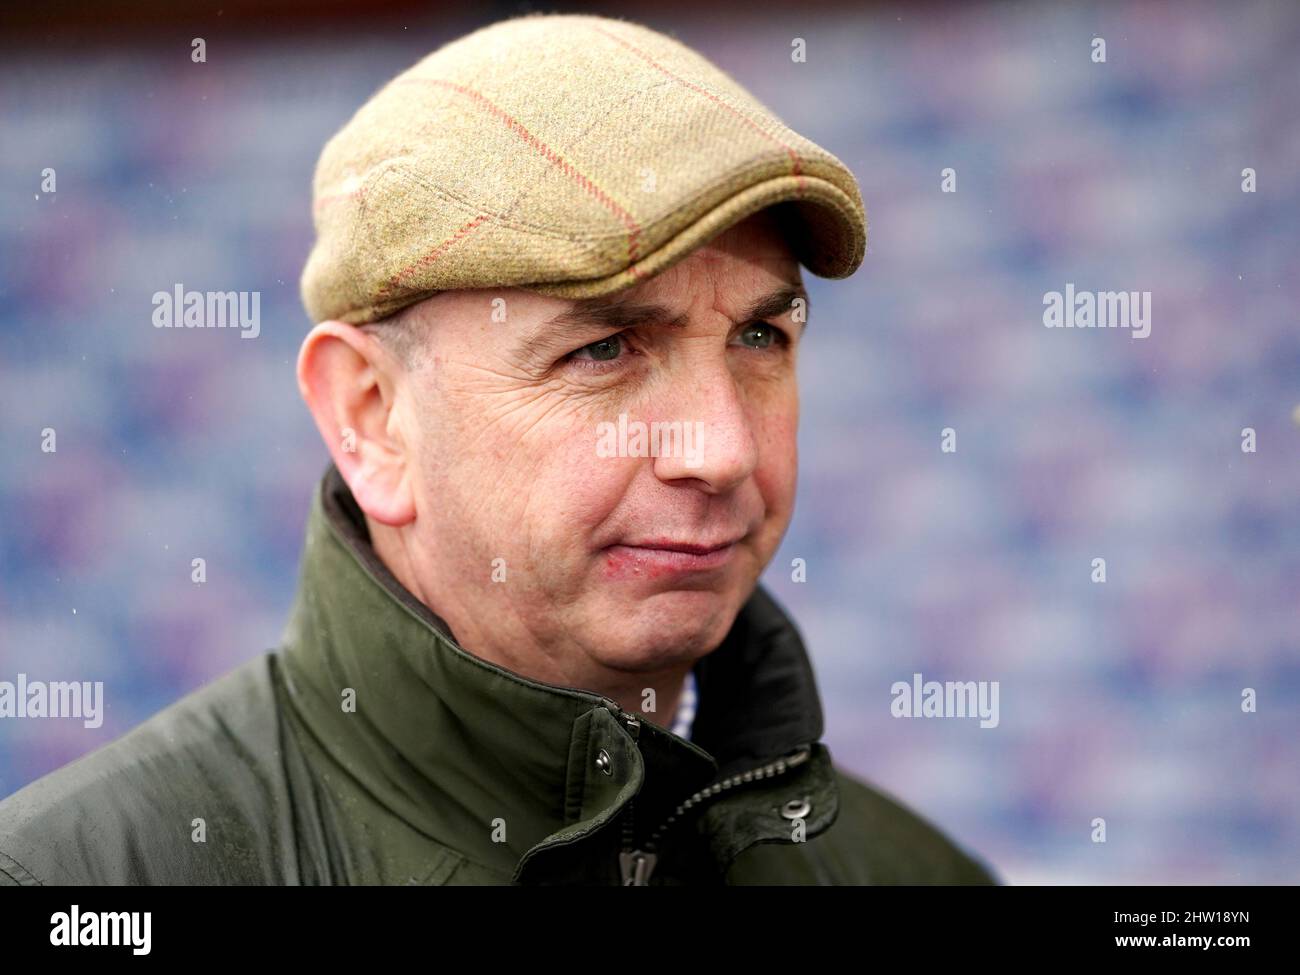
(686, 707)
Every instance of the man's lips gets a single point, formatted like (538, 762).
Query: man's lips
(659, 557)
(691, 548)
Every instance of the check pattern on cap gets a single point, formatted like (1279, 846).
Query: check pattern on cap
(570, 154)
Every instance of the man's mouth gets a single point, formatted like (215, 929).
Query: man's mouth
(690, 548)
(659, 557)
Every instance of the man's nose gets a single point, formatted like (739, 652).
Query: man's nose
(716, 446)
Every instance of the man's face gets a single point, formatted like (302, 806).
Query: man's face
(609, 558)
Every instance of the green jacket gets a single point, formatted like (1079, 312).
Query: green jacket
(372, 749)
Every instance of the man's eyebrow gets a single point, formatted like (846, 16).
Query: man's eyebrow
(778, 303)
(599, 314)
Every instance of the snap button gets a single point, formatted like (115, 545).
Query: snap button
(796, 808)
(604, 763)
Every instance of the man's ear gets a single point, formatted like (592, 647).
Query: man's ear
(349, 382)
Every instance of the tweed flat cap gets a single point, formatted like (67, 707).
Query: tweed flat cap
(568, 154)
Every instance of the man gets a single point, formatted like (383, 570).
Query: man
(558, 295)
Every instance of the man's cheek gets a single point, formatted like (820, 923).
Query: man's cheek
(778, 451)
(571, 490)
(591, 485)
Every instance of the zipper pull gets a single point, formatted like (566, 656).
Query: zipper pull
(626, 718)
(637, 866)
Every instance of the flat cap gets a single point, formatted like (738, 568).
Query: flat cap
(568, 154)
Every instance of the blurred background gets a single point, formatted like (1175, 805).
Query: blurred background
(1118, 700)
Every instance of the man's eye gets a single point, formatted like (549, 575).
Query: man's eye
(606, 350)
(760, 335)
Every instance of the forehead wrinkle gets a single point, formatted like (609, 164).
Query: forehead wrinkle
(601, 313)
(592, 316)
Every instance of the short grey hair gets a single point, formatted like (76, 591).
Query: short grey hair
(403, 334)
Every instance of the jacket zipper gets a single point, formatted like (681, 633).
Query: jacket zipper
(636, 864)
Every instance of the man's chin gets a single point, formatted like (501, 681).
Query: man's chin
(666, 628)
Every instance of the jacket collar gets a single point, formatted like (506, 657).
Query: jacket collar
(505, 769)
